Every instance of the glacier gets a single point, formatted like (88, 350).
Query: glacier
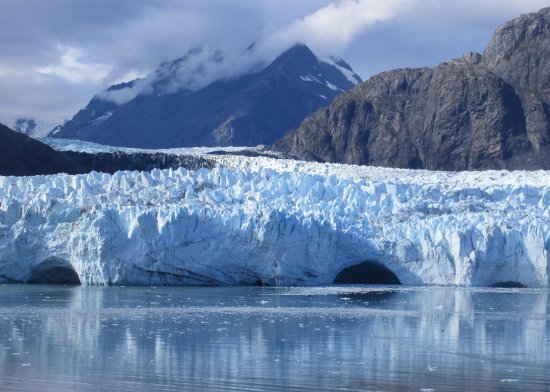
(278, 222)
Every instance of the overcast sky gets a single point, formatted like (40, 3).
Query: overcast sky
(57, 54)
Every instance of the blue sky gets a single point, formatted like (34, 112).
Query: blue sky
(57, 54)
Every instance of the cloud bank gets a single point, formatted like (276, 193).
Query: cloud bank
(57, 54)
(328, 30)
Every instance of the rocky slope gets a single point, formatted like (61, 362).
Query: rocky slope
(20, 155)
(487, 111)
(175, 107)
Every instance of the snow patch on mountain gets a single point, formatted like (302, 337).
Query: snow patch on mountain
(332, 86)
(344, 68)
(30, 126)
(310, 78)
(278, 222)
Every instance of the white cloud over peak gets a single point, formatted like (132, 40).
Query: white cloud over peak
(327, 30)
(330, 29)
(72, 67)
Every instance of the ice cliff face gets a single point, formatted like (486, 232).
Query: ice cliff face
(278, 222)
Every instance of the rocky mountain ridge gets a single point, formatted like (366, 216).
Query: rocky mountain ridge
(489, 111)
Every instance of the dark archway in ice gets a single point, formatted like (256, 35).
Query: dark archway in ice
(54, 271)
(508, 284)
(368, 272)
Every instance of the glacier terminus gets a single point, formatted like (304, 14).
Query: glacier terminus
(279, 222)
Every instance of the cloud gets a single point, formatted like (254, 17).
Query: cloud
(330, 29)
(429, 32)
(57, 54)
(327, 30)
(198, 68)
(122, 95)
(72, 67)
(24, 93)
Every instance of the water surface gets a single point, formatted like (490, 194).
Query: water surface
(257, 339)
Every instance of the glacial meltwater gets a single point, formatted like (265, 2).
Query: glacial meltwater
(343, 338)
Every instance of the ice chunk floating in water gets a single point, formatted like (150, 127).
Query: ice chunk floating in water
(277, 222)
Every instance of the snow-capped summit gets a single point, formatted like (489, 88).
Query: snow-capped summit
(193, 102)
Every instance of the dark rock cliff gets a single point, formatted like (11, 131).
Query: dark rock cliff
(21, 155)
(487, 111)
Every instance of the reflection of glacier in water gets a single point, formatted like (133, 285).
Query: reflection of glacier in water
(354, 338)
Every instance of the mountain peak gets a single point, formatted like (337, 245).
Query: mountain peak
(193, 102)
(519, 50)
(298, 49)
(299, 61)
(296, 59)
(545, 12)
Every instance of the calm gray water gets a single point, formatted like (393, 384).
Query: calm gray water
(55, 338)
